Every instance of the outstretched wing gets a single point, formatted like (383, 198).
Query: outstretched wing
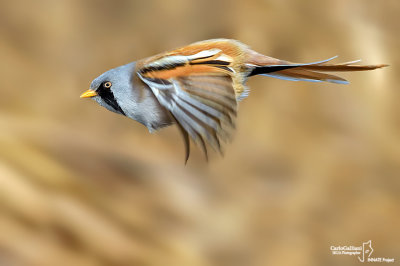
(199, 92)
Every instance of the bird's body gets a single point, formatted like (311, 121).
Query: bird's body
(198, 87)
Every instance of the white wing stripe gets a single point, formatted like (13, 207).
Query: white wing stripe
(169, 60)
(204, 54)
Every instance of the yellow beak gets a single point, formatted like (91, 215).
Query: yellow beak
(88, 94)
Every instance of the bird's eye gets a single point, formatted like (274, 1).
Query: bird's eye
(107, 84)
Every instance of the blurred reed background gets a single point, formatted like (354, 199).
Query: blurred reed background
(311, 165)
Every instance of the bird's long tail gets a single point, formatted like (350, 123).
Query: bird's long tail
(307, 72)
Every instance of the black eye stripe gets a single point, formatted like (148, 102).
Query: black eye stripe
(108, 96)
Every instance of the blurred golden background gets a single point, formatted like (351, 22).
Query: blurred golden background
(311, 165)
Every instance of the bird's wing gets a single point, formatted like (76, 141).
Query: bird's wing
(198, 90)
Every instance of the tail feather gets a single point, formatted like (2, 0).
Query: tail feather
(298, 74)
(311, 71)
(344, 67)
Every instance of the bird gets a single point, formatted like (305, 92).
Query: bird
(198, 87)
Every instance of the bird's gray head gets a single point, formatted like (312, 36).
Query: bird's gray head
(117, 91)
(110, 88)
